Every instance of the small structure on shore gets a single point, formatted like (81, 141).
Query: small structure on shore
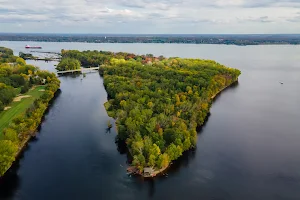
(148, 171)
(109, 125)
(132, 170)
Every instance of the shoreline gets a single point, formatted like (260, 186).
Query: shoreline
(135, 171)
(214, 96)
(164, 43)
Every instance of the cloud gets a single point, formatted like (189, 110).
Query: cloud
(294, 19)
(255, 3)
(263, 19)
(158, 16)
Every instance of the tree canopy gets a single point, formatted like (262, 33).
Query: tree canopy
(68, 64)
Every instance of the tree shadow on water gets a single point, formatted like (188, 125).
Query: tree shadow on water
(233, 86)
(70, 75)
(107, 130)
(121, 146)
(189, 155)
(10, 182)
(151, 187)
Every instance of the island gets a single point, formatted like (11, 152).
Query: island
(25, 93)
(157, 102)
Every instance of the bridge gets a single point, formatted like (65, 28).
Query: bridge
(82, 69)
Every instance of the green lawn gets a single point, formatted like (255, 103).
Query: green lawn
(18, 108)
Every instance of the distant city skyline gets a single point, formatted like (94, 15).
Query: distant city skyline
(151, 17)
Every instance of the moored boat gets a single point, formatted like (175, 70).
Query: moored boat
(32, 47)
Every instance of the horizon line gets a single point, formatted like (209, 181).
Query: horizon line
(153, 33)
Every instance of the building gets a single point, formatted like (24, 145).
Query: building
(148, 172)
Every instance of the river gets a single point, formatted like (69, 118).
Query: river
(248, 149)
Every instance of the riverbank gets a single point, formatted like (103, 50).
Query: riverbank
(234, 82)
(33, 133)
(27, 135)
(20, 121)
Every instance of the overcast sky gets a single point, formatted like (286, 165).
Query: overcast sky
(150, 16)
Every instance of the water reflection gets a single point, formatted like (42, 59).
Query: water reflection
(10, 182)
(233, 86)
(182, 162)
(71, 75)
(122, 148)
(50, 105)
(107, 130)
(151, 186)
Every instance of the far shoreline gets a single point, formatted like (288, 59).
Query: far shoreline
(162, 43)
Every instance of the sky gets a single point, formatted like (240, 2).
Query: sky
(150, 16)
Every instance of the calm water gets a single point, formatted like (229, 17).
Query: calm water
(248, 149)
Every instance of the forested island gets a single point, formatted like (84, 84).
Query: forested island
(157, 102)
(25, 92)
(228, 39)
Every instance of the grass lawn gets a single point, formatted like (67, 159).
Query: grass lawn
(19, 107)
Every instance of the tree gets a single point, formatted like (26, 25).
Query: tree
(7, 93)
(163, 161)
(68, 64)
(8, 152)
(24, 89)
(20, 61)
(11, 134)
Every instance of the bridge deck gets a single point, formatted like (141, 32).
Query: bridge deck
(78, 70)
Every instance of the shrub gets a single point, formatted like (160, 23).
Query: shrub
(24, 89)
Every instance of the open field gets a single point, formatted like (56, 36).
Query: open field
(19, 107)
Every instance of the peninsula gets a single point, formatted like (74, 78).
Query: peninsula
(157, 102)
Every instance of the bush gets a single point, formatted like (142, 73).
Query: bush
(7, 94)
(17, 80)
(24, 89)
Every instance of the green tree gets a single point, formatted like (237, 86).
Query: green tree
(68, 64)
(20, 61)
(8, 152)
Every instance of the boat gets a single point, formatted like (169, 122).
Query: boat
(32, 47)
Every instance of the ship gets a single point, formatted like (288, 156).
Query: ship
(32, 47)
